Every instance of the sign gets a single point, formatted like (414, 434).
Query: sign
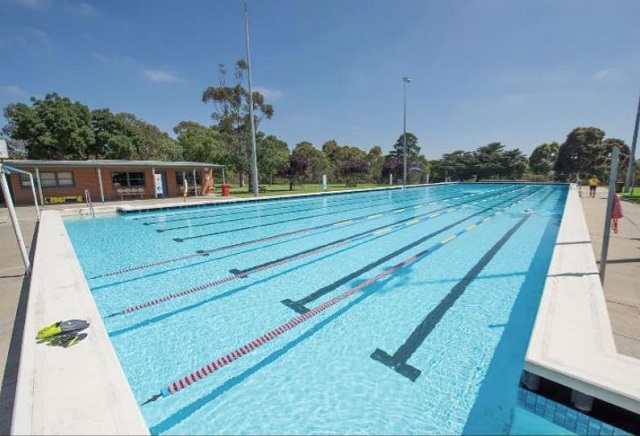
(158, 183)
(4, 150)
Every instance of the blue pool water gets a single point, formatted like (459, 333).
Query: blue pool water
(420, 304)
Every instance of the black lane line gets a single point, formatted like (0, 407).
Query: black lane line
(204, 252)
(299, 305)
(338, 242)
(266, 225)
(235, 208)
(334, 199)
(244, 218)
(398, 361)
(299, 206)
(237, 274)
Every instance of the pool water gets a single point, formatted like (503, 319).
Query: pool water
(385, 312)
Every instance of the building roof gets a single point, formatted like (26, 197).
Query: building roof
(109, 163)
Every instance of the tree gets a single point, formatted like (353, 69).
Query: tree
(114, 137)
(154, 144)
(233, 116)
(376, 163)
(582, 152)
(353, 169)
(272, 154)
(317, 162)
(295, 169)
(623, 161)
(458, 166)
(53, 128)
(200, 143)
(543, 158)
(413, 149)
(489, 161)
(515, 164)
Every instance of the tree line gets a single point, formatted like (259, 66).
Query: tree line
(55, 128)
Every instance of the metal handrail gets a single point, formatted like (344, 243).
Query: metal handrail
(4, 170)
(87, 196)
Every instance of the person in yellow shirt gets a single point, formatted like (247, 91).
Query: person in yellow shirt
(593, 184)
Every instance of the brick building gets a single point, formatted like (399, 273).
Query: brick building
(66, 181)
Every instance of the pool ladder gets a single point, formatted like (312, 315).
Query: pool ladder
(87, 196)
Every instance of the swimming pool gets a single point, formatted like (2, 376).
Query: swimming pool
(386, 312)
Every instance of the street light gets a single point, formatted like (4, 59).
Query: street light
(254, 157)
(405, 80)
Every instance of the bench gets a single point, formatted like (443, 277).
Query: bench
(262, 188)
(130, 192)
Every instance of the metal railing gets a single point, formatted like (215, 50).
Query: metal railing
(4, 170)
(87, 197)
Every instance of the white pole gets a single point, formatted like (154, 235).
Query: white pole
(35, 197)
(39, 186)
(405, 80)
(155, 188)
(100, 182)
(195, 183)
(254, 157)
(607, 221)
(14, 221)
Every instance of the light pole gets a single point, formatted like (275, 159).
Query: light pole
(405, 80)
(254, 157)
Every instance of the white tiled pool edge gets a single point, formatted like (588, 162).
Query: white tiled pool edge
(572, 341)
(77, 390)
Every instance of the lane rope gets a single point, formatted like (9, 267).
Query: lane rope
(245, 349)
(201, 253)
(272, 264)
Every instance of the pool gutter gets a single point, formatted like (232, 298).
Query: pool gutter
(76, 390)
(572, 341)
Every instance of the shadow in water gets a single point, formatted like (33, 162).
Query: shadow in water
(493, 409)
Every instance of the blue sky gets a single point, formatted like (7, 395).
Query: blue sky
(518, 72)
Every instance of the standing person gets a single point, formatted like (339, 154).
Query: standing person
(593, 184)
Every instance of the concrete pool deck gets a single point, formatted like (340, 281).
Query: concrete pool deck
(576, 244)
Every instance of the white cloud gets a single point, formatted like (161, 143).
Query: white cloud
(82, 9)
(269, 93)
(12, 90)
(161, 76)
(100, 57)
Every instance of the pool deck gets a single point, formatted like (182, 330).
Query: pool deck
(574, 341)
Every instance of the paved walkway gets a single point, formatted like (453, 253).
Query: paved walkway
(622, 283)
(622, 276)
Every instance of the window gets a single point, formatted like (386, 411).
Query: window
(63, 179)
(189, 176)
(127, 180)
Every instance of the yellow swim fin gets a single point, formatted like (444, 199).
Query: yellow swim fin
(50, 330)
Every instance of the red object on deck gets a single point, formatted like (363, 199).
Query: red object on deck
(616, 213)
(225, 190)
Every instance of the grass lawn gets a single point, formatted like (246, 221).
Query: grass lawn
(283, 189)
(632, 196)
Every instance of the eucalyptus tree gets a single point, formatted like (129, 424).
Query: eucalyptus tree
(232, 114)
(582, 152)
(543, 158)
